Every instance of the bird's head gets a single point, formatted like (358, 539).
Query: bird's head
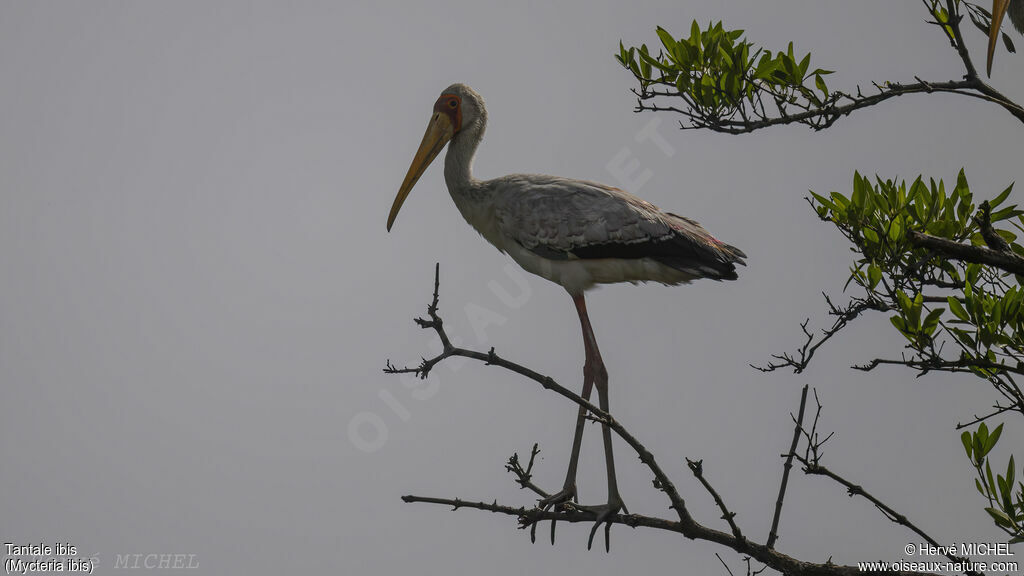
(459, 110)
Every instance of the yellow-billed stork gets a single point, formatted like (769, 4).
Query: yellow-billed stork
(1015, 8)
(573, 232)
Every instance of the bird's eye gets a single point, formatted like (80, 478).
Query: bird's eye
(452, 104)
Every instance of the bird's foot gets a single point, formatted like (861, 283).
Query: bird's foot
(567, 494)
(555, 501)
(605, 515)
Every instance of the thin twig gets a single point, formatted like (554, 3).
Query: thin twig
(524, 476)
(724, 564)
(530, 516)
(978, 419)
(697, 467)
(815, 468)
(805, 353)
(773, 535)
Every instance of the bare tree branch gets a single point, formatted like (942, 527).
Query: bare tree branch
(958, 40)
(773, 534)
(529, 516)
(686, 525)
(805, 353)
(814, 468)
(524, 476)
(978, 419)
(697, 467)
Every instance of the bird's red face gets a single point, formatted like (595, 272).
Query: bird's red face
(444, 124)
(451, 106)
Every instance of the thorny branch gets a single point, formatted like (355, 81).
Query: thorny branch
(524, 476)
(773, 534)
(685, 524)
(697, 467)
(804, 354)
(811, 461)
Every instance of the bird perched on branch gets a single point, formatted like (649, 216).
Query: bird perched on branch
(1015, 8)
(574, 233)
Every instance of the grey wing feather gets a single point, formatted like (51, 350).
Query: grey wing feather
(560, 218)
(561, 214)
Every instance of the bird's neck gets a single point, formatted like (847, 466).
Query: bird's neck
(472, 197)
(458, 162)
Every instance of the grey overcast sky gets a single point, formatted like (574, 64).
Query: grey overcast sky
(197, 292)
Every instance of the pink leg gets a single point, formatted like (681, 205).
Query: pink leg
(599, 374)
(568, 491)
(594, 372)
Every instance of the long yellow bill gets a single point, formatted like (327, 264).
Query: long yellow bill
(439, 132)
(998, 10)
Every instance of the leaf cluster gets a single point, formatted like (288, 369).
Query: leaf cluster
(1006, 507)
(986, 316)
(720, 75)
(956, 315)
(718, 80)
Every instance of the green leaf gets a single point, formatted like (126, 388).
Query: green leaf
(649, 60)
(1000, 517)
(635, 69)
(683, 83)
(995, 202)
(858, 193)
(965, 439)
(914, 318)
(931, 321)
(1005, 213)
(841, 201)
(874, 275)
(823, 201)
(904, 302)
(802, 69)
(990, 442)
(988, 474)
(666, 39)
(896, 229)
(958, 310)
(645, 62)
(973, 270)
(900, 325)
